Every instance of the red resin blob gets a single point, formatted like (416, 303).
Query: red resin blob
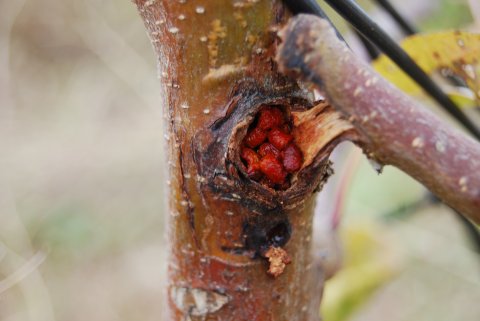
(269, 150)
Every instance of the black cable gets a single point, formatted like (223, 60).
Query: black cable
(410, 30)
(372, 51)
(355, 15)
(360, 21)
(406, 210)
(470, 229)
(311, 7)
(306, 6)
(407, 28)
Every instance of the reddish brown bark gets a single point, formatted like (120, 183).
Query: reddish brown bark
(393, 129)
(239, 250)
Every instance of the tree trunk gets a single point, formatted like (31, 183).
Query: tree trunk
(239, 249)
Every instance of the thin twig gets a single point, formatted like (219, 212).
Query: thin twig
(396, 130)
(470, 229)
(362, 22)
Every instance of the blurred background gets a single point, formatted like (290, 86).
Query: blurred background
(82, 182)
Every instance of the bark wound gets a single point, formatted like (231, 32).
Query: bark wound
(217, 69)
(317, 129)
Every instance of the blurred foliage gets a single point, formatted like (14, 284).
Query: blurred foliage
(372, 195)
(82, 180)
(65, 231)
(448, 15)
(448, 53)
(374, 261)
(370, 262)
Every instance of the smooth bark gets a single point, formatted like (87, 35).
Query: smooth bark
(229, 236)
(392, 128)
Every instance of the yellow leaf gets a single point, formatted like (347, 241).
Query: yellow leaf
(371, 260)
(451, 52)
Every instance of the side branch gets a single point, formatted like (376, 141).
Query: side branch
(393, 129)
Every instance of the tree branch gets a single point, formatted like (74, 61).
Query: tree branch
(393, 129)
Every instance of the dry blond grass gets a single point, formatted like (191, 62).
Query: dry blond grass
(81, 176)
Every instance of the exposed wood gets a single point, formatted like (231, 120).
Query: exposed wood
(393, 129)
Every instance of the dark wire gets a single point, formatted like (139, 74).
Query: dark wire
(360, 21)
(470, 229)
(306, 6)
(372, 51)
(370, 31)
(407, 28)
(311, 7)
(410, 30)
(406, 210)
